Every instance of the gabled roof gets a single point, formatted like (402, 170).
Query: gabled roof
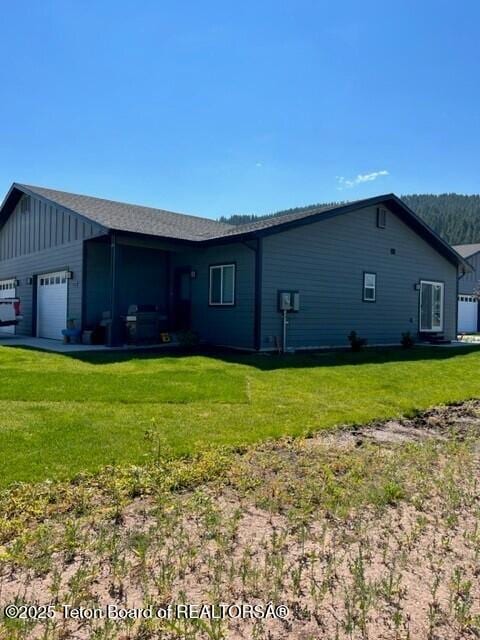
(129, 218)
(467, 250)
(121, 216)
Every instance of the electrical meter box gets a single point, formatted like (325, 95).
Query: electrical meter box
(289, 301)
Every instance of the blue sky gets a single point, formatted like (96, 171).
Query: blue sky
(240, 107)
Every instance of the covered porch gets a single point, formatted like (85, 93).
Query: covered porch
(135, 290)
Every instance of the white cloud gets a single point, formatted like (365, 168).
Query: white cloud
(344, 183)
(259, 164)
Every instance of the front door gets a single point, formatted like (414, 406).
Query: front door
(431, 306)
(182, 298)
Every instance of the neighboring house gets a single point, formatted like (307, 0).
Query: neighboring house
(371, 266)
(469, 290)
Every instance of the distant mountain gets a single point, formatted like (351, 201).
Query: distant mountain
(455, 217)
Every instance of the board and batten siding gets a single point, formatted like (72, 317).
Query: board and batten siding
(326, 261)
(41, 226)
(470, 282)
(223, 325)
(44, 238)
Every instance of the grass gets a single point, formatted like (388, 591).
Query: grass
(360, 538)
(63, 415)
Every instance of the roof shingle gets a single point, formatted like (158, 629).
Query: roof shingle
(121, 216)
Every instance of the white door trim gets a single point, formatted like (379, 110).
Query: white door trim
(437, 328)
(59, 279)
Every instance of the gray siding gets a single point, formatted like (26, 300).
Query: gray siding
(470, 282)
(232, 326)
(67, 257)
(42, 227)
(144, 279)
(326, 260)
(43, 239)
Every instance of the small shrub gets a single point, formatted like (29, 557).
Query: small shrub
(356, 342)
(407, 340)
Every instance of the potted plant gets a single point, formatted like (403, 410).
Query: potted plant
(71, 334)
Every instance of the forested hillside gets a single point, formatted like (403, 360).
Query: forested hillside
(455, 217)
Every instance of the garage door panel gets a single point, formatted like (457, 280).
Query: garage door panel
(7, 290)
(52, 293)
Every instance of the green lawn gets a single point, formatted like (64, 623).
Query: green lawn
(61, 414)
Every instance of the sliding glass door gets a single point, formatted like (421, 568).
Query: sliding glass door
(431, 306)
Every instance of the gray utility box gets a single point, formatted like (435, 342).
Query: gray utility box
(289, 301)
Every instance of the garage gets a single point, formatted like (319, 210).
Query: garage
(467, 314)
(52, 293)
(7, 290)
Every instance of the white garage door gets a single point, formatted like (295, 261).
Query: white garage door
(467, 314)
(7, 290)
(51, 305)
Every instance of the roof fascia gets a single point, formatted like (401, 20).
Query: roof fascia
(431, 236)
(390, 200)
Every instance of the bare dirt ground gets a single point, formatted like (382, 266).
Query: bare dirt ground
(371, 532)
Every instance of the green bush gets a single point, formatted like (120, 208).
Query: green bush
(356, 342)
(407, 340)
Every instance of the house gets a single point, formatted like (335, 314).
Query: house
(371, 266)
(469, 289)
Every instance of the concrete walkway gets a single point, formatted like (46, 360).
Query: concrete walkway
(58, 347)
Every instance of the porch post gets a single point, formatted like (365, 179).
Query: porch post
(116, 329)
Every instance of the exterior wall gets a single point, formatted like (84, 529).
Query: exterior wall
(41, 227)
(41, 240)
(231, 326)
(68, 257)
(142, 279)
(326, 260)
(471, 281)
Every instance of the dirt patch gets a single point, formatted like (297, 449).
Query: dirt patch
(439, 422)
(372, 532)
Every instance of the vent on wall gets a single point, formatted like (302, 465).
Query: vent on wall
(25, 204)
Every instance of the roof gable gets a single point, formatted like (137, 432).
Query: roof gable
(124, 217)
(121, 216)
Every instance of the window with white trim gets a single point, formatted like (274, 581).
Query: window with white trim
(431, 305)
(222, 285)
(381, 218)
(369, 287)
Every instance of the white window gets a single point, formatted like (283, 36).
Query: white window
(381, 218)
(369, 287)
(431, 306)
(222, 285)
